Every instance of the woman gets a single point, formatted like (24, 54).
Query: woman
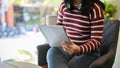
(83, 21)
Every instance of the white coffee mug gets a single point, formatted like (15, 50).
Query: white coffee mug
(51, 19)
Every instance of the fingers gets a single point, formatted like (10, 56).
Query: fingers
(71, 48)
(65, 45)
(43, 21)
(66, 48)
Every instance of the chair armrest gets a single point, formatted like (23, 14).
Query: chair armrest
(42, 51)
(105, 61)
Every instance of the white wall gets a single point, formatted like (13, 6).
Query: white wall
(117, 58)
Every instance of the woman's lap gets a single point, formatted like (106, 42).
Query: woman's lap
(57, 57)
(82, 61)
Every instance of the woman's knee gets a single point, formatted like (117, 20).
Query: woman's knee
(52, 53)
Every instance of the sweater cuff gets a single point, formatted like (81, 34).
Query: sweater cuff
(81, 51)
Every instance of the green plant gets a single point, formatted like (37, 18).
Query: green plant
(110, 10)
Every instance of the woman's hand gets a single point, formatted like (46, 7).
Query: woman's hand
(43, 21)
(70, 48)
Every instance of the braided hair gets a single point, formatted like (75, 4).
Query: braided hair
(86, 6)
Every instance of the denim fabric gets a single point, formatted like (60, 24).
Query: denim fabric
(57, 58)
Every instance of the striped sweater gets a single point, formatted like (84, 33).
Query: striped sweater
(83, 31)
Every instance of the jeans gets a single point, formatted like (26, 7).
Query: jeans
(57, 58)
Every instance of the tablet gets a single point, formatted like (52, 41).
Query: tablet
(54, 34)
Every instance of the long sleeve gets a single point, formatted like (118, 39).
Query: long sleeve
(85, 33)
(97, 24)
(60, 14)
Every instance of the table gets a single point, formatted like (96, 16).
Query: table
(14, 64)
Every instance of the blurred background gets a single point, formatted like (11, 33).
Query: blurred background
(19, 32)
(19, 21)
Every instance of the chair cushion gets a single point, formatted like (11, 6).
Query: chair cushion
(110, 34)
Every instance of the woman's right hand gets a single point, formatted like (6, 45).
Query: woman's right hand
(43, 21)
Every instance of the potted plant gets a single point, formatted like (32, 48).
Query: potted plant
(110, 10)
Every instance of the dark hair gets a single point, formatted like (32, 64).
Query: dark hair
(86, 7)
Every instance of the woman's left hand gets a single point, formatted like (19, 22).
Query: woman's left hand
(70, 48)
